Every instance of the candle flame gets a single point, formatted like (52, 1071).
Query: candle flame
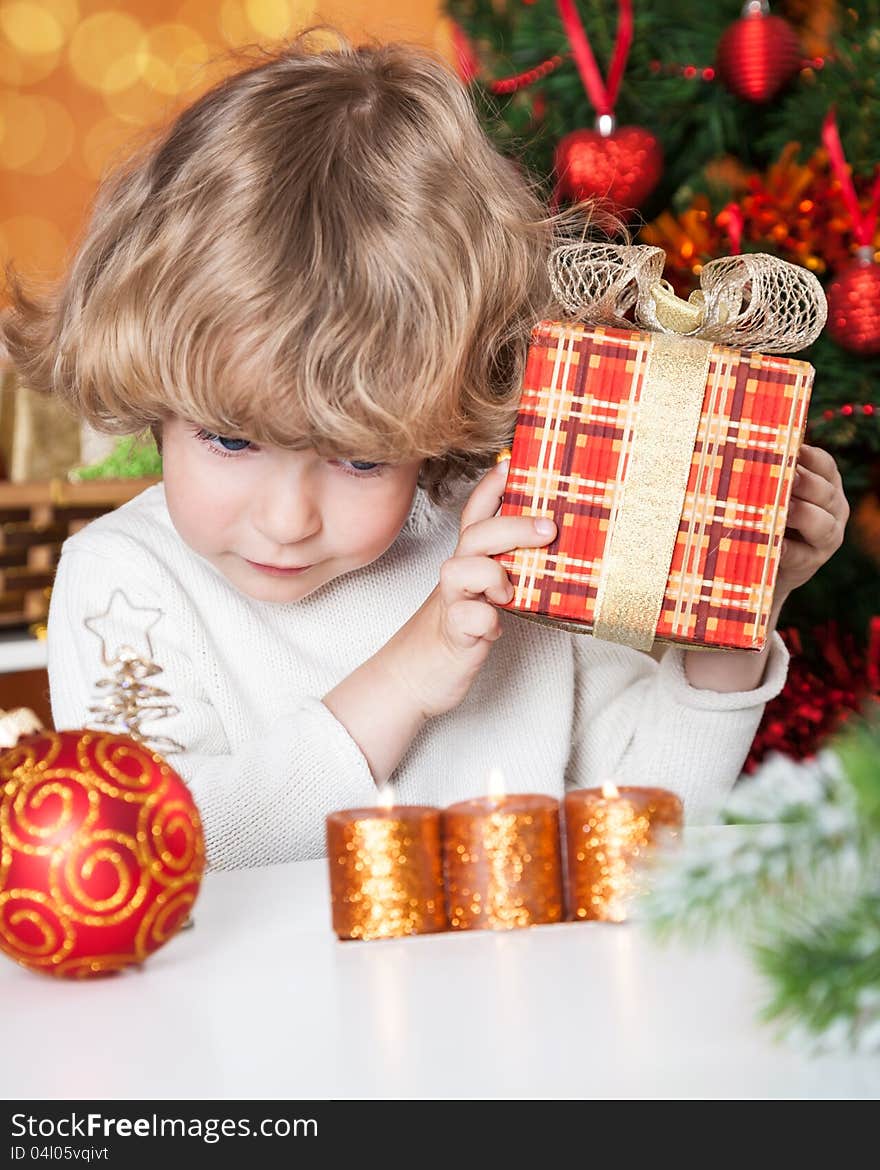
(609, 790)
(385, 797)
(497, 787)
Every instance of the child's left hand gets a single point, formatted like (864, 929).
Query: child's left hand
(817, 518)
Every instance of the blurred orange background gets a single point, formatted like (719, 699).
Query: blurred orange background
(82, 79)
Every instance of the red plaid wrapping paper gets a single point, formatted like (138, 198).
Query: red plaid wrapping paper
(570, 456)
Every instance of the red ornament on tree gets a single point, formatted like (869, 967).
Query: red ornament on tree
(620, 167)
(101, 845)
(854, 294)
(758, 54)
(854, 305)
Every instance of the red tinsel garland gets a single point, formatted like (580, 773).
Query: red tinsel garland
(811, 707)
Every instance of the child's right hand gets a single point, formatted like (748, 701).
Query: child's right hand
(438, 653)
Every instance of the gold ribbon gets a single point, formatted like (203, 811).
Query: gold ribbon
(635, 567)
(676, 315)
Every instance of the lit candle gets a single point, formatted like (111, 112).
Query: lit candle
(502, 860)
(609, 832)
(386, 874)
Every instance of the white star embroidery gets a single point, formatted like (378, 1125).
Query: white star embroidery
(120, 614)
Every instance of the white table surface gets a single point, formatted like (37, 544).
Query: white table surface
(260, 1001)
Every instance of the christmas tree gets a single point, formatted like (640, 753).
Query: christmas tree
(718, 129)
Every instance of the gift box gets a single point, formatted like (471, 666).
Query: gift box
(663, 446)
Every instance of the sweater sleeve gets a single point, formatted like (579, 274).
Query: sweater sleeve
(640, 722)
(262, 803)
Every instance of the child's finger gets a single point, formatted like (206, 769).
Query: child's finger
(485, 499)
(815, 488)
(820, 461)
(467, 577)
(472, 621)
(500, 534)
(796, 558)
(815, 525)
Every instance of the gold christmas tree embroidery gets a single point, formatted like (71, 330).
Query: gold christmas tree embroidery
(131, 700)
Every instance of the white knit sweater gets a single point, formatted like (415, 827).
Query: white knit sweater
(266, 760)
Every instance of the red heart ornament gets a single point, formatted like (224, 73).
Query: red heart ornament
(621, 168)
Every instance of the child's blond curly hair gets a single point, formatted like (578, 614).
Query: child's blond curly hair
(324, 250)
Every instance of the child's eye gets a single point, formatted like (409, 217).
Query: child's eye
(361, 467)
(221, 444)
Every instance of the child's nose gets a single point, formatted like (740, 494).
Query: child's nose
(287, 514)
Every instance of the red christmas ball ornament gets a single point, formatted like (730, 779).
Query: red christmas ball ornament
(854, 305)
(101, 852)
(758, 54)
(621, 168)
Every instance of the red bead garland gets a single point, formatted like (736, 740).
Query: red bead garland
(519, 81)
(848, 409)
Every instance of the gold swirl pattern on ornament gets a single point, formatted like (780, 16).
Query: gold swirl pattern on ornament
(58, 936)
(157, 820)
(71, 869)
(25, 795)
(101, 757)
(86, 966)
(164, 917)
(32, 752)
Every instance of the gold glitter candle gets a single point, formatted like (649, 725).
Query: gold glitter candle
(386, 874)
(502, 860)
(609, 832)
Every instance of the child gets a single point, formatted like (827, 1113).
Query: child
(317, 289)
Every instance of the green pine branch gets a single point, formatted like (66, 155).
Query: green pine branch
(797, 875)
(825, 975)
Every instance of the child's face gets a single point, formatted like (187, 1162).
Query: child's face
(279, 524)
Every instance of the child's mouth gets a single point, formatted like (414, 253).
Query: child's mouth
(278, 570)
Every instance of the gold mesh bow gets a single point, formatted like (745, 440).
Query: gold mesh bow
(753, 301)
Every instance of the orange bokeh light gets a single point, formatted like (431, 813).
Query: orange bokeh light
(84, 81)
